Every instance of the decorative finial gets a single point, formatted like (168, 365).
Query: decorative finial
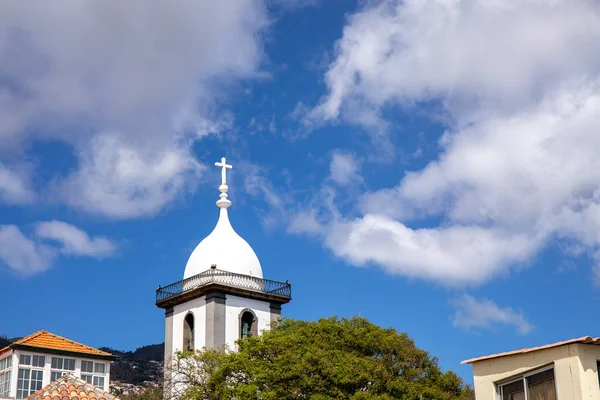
(223, 202)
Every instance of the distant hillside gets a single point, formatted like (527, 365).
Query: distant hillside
(152, 352)
(135, 367)
(4, 342)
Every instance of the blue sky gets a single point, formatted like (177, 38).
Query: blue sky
(429, 165)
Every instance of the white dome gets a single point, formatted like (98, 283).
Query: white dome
(226, 249)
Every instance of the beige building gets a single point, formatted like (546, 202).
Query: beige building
(565, 371)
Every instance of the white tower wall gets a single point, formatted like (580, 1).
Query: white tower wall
(234, 306)
(233, 309)
(197, 307)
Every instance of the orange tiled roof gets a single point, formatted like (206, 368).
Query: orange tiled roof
(583, 340)
(47, 340)
(69, 387)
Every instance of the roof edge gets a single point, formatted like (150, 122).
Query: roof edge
(49, 350)
(86, 349)
(579, 340)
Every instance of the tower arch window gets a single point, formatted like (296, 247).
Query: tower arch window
(248, 323)
(188, 332)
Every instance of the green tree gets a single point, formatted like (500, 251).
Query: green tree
(189, 375)
(328, 359)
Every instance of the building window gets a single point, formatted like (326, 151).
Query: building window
(98, 381)
(99, 368)
(56, 375)
(87, 366)
(4, 383)
(188, 332)
(5, 363)
(95, 373)
(537, 385)
(67, 364)
(29, 381)
(5, 369)
(94, 380)
(38, 361)
(61, 366)
(34, 361)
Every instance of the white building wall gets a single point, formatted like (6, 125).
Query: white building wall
(234, 306)
(198, 308)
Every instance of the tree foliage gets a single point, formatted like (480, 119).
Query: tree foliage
(328, 359)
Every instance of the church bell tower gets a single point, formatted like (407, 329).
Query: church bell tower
(223, 295)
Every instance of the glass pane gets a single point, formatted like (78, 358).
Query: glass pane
(24, 374)
(39, 361)
(99, 381)
(57, 363)
(23, 384)
(4, 384)
(87, 378)
(25, 360)
(100, 368)
(513, 391)
(69, 364)
(541, 386)
(87, 366)
(37, 377)
(5, 363)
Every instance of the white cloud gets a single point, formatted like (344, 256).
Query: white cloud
(119, 180)
(484, 313)
(451, 256)
(28, 256)
(73, 240)
(534, 175)
(305, 222)
(143, 75)
(533, 171)
(517, 168)
(257, 184)
(343, 168)
(478, 56)
(23, 255)
(15, 187)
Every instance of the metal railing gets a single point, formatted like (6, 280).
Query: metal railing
(214, 275)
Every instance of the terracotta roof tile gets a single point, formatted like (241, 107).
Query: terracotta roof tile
(583, 340)
(69, 387)
(4, 351)
(47, 340)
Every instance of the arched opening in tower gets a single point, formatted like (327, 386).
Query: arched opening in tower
(188, 332)
(248, 324)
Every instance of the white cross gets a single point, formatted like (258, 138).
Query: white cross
(223, 164)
